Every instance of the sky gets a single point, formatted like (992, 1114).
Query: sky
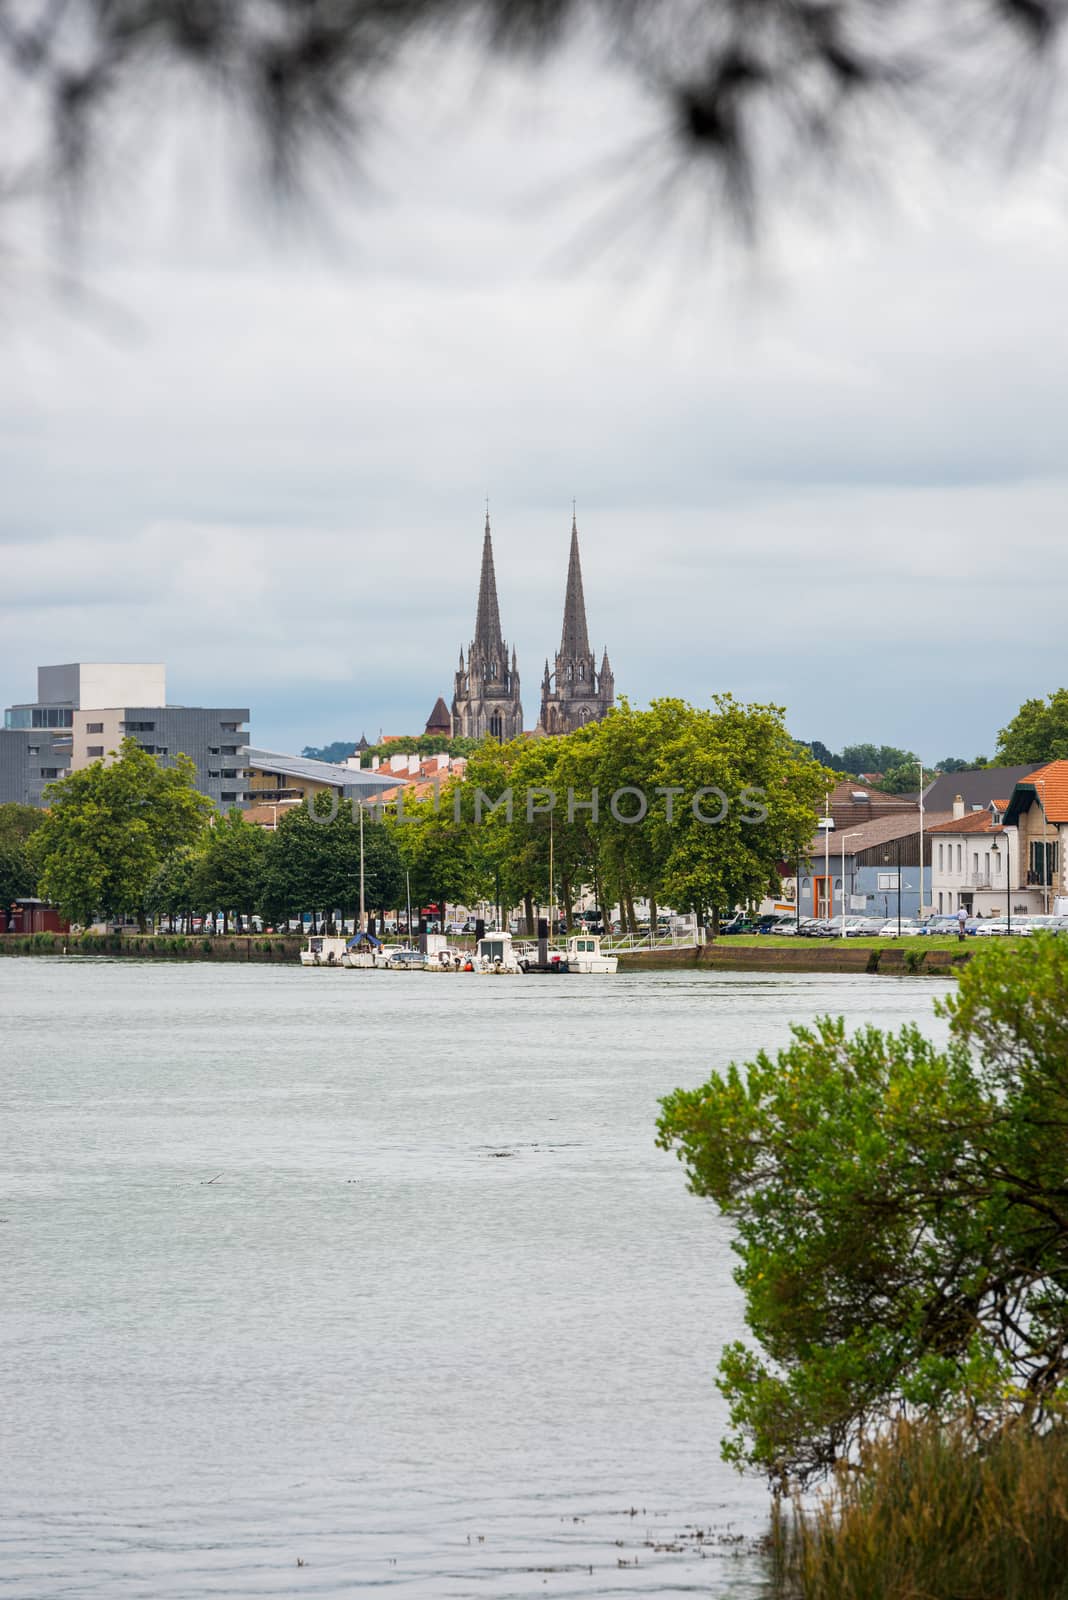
(256, 443)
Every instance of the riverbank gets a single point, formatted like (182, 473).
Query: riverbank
(156, 947)
(915, 959)
(909, 958)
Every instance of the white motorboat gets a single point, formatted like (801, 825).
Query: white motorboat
(584, 954)
(322, 950)
(495, 953)
(400, 958)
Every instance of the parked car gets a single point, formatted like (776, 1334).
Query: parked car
(910, 927)
(785, 925)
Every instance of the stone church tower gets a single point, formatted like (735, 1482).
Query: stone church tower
(486, 698)
(577, 692)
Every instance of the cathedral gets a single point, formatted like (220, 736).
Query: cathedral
(486, 698)
(577, 692)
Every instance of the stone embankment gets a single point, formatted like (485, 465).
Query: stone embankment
(801, 956)
(158, 947)
(724, 955)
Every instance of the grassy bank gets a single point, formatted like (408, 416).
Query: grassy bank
(929, 1517)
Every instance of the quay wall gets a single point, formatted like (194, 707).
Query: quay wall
(155, 947)
(803, 956)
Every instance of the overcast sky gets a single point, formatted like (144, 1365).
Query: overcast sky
(834, 477)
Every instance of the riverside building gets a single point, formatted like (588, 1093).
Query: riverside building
(84, 710)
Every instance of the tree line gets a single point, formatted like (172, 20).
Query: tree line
(697, 809)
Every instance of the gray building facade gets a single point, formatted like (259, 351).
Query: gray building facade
(80, 717)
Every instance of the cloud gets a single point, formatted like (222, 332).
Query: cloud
(833, 477)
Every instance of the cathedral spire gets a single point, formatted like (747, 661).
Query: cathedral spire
(488, 641)
(574, 640)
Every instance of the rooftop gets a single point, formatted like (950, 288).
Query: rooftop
(326, 772)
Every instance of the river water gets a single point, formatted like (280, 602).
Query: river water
(319, 1282)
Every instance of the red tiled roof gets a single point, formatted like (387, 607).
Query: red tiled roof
(1051, 785)
(971, 822)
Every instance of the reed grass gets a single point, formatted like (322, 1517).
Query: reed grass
(928, 1515)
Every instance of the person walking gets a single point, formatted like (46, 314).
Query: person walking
(962, 921)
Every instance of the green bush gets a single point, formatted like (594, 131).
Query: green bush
(927, 1515)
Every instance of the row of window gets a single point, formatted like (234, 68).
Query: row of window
(945, 860)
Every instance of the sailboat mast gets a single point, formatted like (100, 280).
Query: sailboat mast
(363, 913)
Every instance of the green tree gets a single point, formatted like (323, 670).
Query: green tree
(903, 778)
(108, 829)
(1038, 731)
(18, 873)
(766, 802)
(171, 892)
(17, 823)
(17, 876)
(900, 1216)
(228, 869)
(312, 864)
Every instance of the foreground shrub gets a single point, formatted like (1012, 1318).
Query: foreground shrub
(930, 1517)
(900, 1218)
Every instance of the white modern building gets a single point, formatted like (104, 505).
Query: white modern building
(84, 710)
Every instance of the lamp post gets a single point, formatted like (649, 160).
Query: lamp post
(897, 862)
(920, 765)
(1040, 785)
(995, 846)
(845, 837)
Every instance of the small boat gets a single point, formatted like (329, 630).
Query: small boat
(322, 950)
(584, 954)
(362, 951)
(400, 958)
(495, 953)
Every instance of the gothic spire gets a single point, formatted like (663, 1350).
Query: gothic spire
(488, 641)
(574, 640)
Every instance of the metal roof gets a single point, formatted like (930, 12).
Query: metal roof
(328, 772)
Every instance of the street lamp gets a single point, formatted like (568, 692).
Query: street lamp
(845, 836)
(897, 860)
(994, 845)
(1040, 785)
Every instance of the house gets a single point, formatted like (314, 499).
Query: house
(973, 857)
(1037, 810)
(977, 787)
(1016, 844)
(861, 868)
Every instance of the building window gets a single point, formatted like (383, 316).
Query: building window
(49, 772)
(229, 772)
(960, 858)
(35, 749)
(939, 899)
(149, 749)
(94, 727)
(986, 865)
(138, 727)
(212, 774)
(94, 751)
(975, 863)
(997, 863)
(228, 795)
(1043, 862)
(229, 750)
(941, 847)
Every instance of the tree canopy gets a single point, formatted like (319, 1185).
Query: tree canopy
(1038, 731)
(900, 1216)
(754, 89)
(109, 828)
